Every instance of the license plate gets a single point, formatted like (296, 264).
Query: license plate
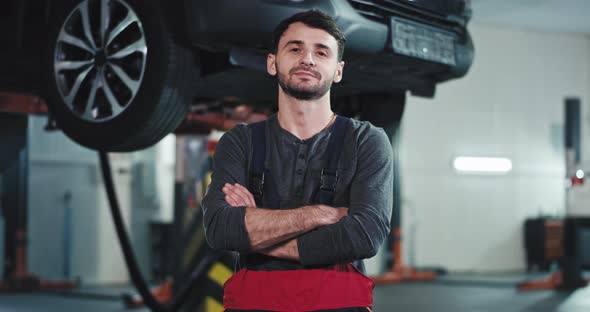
(423, 41)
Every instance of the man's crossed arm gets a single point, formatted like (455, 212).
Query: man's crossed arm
(274, 232)
(313, 235)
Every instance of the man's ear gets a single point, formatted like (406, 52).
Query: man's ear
(339, 72)
(270, 64)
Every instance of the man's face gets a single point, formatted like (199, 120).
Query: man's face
(306, 63)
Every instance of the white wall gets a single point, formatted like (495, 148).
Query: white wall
(165, 161)
(510, 105)
(58, 166)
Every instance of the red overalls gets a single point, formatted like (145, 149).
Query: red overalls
(339, 286)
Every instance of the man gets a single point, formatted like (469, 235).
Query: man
(295, 250)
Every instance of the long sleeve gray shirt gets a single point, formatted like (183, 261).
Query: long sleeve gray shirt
(365, 186)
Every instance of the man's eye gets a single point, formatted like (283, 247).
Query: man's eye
(322, 53)
(294, 49)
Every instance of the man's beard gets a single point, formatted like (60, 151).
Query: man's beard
(303, 93)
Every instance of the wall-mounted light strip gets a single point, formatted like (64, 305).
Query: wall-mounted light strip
(482, 164)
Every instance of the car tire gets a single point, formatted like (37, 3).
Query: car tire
(136, 81)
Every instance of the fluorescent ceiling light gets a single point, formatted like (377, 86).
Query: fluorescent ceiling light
(482, 164)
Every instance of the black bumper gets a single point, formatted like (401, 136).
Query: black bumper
(245, 28)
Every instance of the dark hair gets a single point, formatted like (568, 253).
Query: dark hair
(313, 19)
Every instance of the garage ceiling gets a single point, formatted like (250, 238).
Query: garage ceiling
(546, 15)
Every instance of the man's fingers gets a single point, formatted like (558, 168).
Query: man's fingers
(235, 201)
(246, 193)
(341, 212)
(243, 194)
(229, 200)
(230, 197)
(245, 190)
(237, 196)
(238, 200)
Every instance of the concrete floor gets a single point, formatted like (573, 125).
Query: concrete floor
(86, 299)
(437, 297)
(449, 294)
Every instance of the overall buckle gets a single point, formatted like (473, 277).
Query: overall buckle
(328, 180)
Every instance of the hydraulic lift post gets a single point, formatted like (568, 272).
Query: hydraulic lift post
(386, 111)
(14, 171)
(569, 274)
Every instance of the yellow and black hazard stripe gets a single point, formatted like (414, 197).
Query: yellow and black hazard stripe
(192, 251)
(207, 295)
(218, 274)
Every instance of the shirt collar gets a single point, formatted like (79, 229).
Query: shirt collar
(288, 137)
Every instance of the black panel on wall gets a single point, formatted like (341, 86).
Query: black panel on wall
(572, 125)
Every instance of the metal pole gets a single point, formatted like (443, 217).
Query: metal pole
(67, 234)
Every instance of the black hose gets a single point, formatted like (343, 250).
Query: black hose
(130, 260)
(150, 301)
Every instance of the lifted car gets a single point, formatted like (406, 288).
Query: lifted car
(118, 75)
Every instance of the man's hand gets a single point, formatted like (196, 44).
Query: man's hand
(237, 195)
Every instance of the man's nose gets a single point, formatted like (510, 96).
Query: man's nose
(307, 59)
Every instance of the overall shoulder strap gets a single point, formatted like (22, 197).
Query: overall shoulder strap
(256, 181)
(329, 174)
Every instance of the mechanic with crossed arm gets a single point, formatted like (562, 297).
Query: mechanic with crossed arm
(305, 194)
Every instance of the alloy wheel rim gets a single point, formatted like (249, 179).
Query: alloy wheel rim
(100, 59)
